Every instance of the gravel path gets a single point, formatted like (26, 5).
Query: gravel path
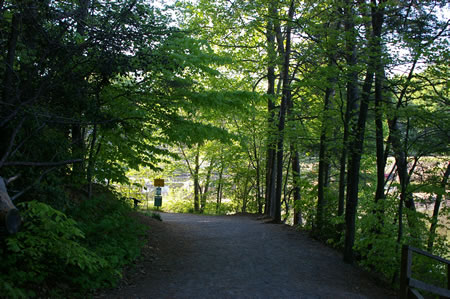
(241, 257)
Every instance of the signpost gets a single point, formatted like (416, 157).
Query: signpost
(158, 183)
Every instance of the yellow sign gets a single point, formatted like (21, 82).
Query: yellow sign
(158, 182)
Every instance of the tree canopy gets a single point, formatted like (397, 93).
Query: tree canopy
(328, 115)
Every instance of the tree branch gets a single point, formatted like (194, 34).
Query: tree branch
(32, 185)
(42, 164)
(11, 142)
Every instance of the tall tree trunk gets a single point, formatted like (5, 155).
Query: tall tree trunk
(258, 176)
(295, 161)
(8, 92)
(395, 143)
(380, 154)
(437, 205)
(358, 137)
(342, 170)
(91, 160)
(296, 182)
(9, 96)
(286, 194)
(401, 160)
(194, 172)
(271, 143)
(78, 151)
(273, 185)
(206, 188)
(352, 98)
(323, 157)
(282, 115)
(78, 142)
(353, 171)
(246, 190)
(377, 21)
(394, 139)
(219, 187)
(196, 180)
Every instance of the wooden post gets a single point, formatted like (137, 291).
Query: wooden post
(448, 276)
(405, 272)
(409, 286)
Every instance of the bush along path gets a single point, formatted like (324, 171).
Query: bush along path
(58, 255)
(197, 256)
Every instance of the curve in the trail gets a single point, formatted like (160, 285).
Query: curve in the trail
(241, 257)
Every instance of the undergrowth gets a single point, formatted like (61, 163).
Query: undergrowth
(56, 255)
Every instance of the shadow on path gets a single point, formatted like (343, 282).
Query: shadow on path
(241, 257)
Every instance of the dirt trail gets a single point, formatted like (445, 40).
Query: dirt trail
(241, 257)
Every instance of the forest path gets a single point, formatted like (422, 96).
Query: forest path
(241, 257)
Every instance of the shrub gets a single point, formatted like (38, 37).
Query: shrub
(110, 231)
(156, 216)
(54, 255)
(46, 257)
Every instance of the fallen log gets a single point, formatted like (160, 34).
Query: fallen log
(9, 214)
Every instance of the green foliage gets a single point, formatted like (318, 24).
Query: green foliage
(307, 203)
(137, 91)
(54, 255)
(377, 244)
(110, 231)
(47, 256)
(225, 208)
(156, 216)
(178, 205)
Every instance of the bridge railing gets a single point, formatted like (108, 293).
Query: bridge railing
(409, 286)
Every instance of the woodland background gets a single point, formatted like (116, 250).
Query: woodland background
(328, 115)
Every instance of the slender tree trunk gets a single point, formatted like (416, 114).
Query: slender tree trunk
(323, 156)
(196, 180)
(258, 177)
(381, 162)
(271, 143)
(396, 145)
(394, 139)
(377, 21)
(78, 151)
(194, 172)
(352, 96)
(8, 92)
(219, 188)
(286, 194)
(78, 142)
(400, 223)
(9, 96)
(437, 205)
(273, 185)
(282, 116)
(246, 191)
(295, 161)
(352, 101)
(296, 182)
(206, 188)
(401, 159)
(358, 138)
(342, 172)
(91, 161)
(353, 171)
